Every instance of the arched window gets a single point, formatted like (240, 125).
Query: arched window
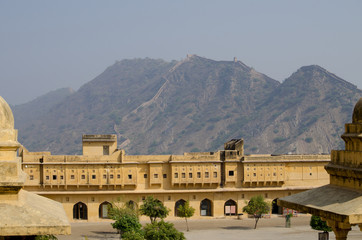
(179, 203)
(205, 207)
(230, 208)
(103, 209)
(80, 211)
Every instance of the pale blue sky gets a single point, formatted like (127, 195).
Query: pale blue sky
(45, 45)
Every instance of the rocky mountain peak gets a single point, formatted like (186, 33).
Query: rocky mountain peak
(196, 104)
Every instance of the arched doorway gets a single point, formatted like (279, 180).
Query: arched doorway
(131, 204)
(205, 207)
(230, 208)
(103, 209)
(179, 203)
(275, 208)
(80, 211)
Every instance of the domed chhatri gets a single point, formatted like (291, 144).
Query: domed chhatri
(357, 112)
(23, 213)
(339, 202)
(6, 115)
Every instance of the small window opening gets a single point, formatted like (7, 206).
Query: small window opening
(105, 150)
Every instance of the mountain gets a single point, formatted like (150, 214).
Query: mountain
(96, 106)
(35, 109)
(305, 114)
(195, 104)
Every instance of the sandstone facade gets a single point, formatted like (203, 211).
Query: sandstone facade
(216, 183)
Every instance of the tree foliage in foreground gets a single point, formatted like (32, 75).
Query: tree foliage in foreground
(153, 208)
(318, 224)
(126, 218)
(133, 235)
(162, 230)
(46, 237)
(185, 211)
(257, 207)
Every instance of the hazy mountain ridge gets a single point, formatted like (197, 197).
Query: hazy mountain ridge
(306, 113)
(38, 107)
(195, 105)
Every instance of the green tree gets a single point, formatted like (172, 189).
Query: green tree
(126, 218)
(153, 208)
(46, 237)
(318, 224)
(256, 207)
(185, 211)
(162, 230)
(133, 235)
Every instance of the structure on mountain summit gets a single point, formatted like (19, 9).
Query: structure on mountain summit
(340, 202)
(22, 213)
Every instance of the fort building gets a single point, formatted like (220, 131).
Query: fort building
(340, 202)
(216, 184)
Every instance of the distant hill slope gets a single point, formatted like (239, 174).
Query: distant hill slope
(195, 105)
(305, 114)
(29, 112)
(194, 108)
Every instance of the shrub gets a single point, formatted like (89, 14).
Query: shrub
(318, 224)
(257, 207)
(162, 230)
(186, 211)
(126, 218)
(46, 237)
(125, 223)
(133, 235)
(153, 208)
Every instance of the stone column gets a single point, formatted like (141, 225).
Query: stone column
(341, 234)
(340, 229)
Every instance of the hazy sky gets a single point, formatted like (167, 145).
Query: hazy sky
(46, 45)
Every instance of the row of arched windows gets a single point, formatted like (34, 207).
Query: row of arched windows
(80, 210)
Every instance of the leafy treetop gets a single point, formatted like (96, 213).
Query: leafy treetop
(185, 211)
(153, 208)
(256, 207)
(318, 224)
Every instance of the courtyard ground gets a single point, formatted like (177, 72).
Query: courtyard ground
(219, 229)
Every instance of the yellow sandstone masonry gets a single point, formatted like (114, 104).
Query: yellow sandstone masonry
(22, 213)
(216, 184)
(340, 202)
